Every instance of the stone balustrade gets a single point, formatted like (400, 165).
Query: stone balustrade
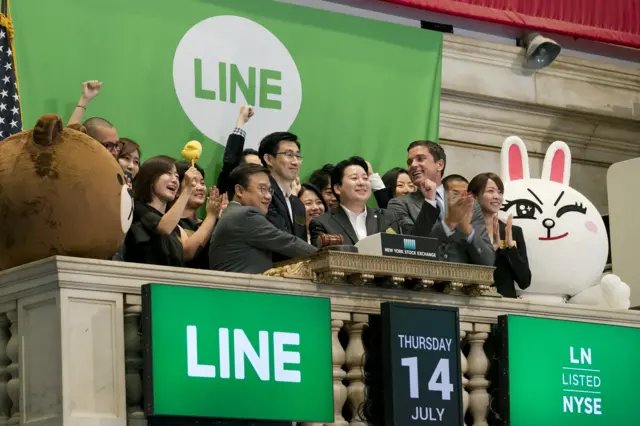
(70, 344)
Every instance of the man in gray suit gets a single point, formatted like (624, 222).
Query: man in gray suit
(243, 239)
(352, 218)
(460, 226)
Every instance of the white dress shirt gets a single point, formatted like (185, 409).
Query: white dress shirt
(358, 222)
(287, 194)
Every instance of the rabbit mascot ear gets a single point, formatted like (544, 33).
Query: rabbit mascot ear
(565, 238)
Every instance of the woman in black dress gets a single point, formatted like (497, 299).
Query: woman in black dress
(511, 264)
(154, 236)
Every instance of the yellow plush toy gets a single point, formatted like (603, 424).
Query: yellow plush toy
(61, 193)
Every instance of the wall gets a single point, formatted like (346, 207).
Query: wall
(593, 106)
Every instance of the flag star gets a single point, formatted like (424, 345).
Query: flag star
(14, 123)
(1, 134)
(1, 48)
(6, 79)
(1, 120)
(3, 34)
(7, 67)
(15, 96)
(4, 93)
(3, 106)
(10, 53)
(15, 110)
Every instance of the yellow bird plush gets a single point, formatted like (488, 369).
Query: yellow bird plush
(192, 151)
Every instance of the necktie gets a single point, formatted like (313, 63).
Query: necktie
(440, 204)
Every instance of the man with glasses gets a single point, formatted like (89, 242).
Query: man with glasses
(243, 239)
(105, 133)
(280, 153)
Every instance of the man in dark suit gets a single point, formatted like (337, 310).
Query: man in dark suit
(243, 239)
(234, 152)
(280, 153)
(352, 218)
(460, 229)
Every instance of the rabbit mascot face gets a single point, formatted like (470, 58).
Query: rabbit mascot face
(564, 233)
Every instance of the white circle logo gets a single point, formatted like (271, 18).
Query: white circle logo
(225, 62)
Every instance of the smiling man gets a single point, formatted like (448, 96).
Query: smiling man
(352, 219)
(459, 224)
(280, 153)
(243, 239)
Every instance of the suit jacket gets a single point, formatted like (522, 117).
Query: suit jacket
(232, 159)
(512, 264)
(454, 247)
(278, 214)
(244, 241)
(337, 222)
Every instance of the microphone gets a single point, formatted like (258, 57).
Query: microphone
(379, 214)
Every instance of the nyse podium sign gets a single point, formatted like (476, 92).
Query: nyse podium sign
(421, 356)
(567, 373)
(212, 353)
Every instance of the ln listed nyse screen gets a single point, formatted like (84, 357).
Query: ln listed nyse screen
(570, 373)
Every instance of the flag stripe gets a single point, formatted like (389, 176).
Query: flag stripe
(10, 110)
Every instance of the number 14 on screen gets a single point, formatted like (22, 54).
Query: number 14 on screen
(440, 381)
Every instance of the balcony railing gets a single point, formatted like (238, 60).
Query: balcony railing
(70, 346)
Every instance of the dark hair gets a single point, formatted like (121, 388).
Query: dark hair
(479, 183)
(92, 124)
(435, 150)
(183, 166)
(270, 144)
(128, 147)
(390, 179)
(240, 176)
(453, 178)
(338, 172)
(149, 172)
(309, 187)
(321, 178)
(249, 151)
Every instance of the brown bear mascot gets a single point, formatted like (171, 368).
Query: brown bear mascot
(61, 193)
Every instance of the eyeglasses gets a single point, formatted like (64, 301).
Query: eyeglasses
(264, 190)
(291, 155)
(113, 145)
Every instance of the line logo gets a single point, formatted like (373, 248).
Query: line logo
(225, 62)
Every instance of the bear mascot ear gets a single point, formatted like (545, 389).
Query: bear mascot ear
(61, 193)
(78, 127)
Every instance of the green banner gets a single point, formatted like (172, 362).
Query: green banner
(177, 71)
(568, 373)
(232, 354)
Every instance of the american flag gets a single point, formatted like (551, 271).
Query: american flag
(10, 114)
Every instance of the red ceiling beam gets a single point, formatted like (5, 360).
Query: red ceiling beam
(608, 21)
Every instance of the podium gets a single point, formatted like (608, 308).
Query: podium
(407, 246)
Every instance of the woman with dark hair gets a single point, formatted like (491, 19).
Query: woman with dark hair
(314, 205)
(199, 231)
(155, 236)
(398, 180)
(508, 240)
(129, 159)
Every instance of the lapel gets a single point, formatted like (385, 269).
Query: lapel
(372, 221)
(417, 199)
(279, 196)
(341, 218)
(502, 226)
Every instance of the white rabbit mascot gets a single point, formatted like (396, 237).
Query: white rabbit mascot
(565, 235)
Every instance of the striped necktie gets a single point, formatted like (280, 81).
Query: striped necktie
(440, 204)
